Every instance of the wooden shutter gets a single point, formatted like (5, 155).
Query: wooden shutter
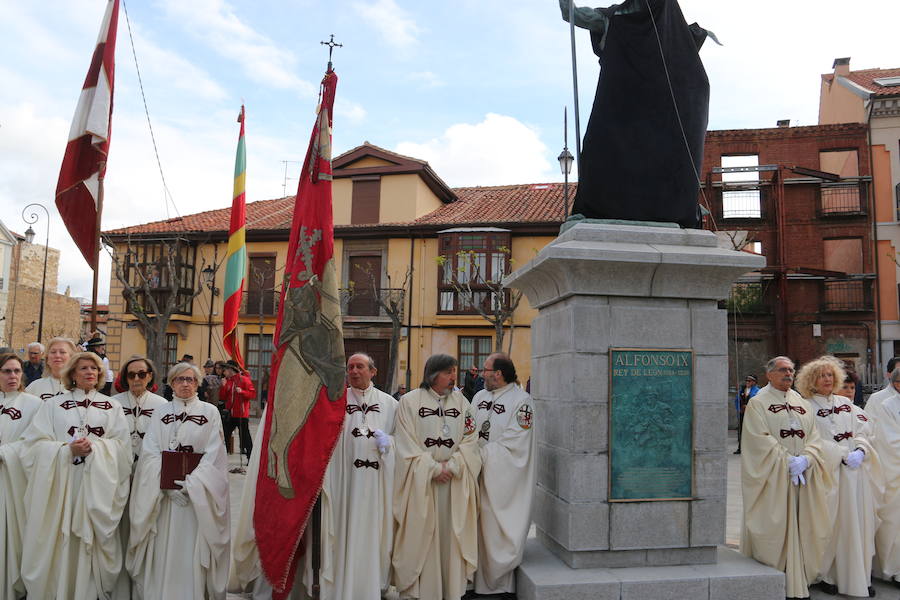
(366, 201)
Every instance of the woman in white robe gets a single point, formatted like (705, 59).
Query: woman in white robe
(59, 351)
(17, 410)
(847, 562)
(139, 404)
(885, 415)
(179, 542)
(77, 460)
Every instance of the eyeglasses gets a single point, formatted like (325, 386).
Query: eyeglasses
(785, 370)
(11, 371)
(138, 374)
(184, 380)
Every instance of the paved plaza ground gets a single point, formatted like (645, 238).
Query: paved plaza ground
(732, 526)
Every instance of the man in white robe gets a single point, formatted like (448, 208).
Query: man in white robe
(885, 417)
(17, 410)
(504, 420)
(786, 478)
(357, 494)
(847, 432)
(178, 549)
(435, 488)
(71, 545)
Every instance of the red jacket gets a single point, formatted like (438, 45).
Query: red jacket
(236, 392)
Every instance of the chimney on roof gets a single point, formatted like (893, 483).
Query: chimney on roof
(841, 66)
(783, 122)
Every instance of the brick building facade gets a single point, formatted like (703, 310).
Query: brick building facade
(801, 197)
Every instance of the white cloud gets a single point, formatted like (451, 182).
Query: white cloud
(428, 79)
(170, 69)
(396, 26)
(261, 59)
(498, 150)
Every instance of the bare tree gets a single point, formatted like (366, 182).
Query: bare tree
(477, 290)
(390, 301)
(152, 292)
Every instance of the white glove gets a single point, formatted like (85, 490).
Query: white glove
(798, 464)
(179, 497)
(855, 458)
(798, 479)
(382, 441)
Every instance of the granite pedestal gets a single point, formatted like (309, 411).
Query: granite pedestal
(602, 286)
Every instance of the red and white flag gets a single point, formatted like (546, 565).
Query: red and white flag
(78, 187)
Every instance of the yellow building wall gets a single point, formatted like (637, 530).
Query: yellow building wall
(341, 200)
(367, 162)
(404, 198)
(429, 333)
(398, 193)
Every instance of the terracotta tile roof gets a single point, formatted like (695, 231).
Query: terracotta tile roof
(262, 214)
(525, 203)
(866, 79)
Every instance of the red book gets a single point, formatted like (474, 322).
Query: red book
(175, 467)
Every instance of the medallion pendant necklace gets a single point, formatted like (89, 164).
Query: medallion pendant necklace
(486, 426)
(173, 438)
(365, 429)
(793, 421)
(82, 430)
(445, 428)
(136, 407)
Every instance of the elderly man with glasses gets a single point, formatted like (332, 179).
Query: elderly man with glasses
(34, 368)
(787, 482)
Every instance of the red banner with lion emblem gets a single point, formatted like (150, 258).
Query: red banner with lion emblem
(306, 392)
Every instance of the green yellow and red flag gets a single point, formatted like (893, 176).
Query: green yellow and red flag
(236, 259)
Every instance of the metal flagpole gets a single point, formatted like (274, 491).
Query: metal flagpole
(575, 85)
(97, 249)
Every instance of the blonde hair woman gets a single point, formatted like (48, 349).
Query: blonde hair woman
(17, 409)
(78, 461)
(846, 433)
(59, 351)
(180, 537)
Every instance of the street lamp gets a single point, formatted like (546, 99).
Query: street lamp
(566, 159)
(31, 219)
(209, 278)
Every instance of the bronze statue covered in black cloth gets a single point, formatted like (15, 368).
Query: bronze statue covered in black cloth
(640, 161)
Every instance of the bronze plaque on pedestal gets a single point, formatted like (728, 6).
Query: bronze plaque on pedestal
(651, 424)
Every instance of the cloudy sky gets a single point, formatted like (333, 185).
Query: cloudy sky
(476, 87)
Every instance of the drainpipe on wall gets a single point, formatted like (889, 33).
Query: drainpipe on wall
(874, 225)
(409, 313)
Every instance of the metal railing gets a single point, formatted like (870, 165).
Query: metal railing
(847, 295)
(356, 302)
(260, 302)
(845, 198)
(742, 202)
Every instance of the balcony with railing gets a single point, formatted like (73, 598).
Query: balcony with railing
(367, 303)
(847, 295)
(846, 198)
(255, 303)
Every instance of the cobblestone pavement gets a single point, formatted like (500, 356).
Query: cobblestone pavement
(732, 525)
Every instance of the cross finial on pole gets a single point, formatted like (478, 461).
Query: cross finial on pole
(331, 45)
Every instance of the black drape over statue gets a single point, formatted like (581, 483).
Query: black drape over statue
(636, 161)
